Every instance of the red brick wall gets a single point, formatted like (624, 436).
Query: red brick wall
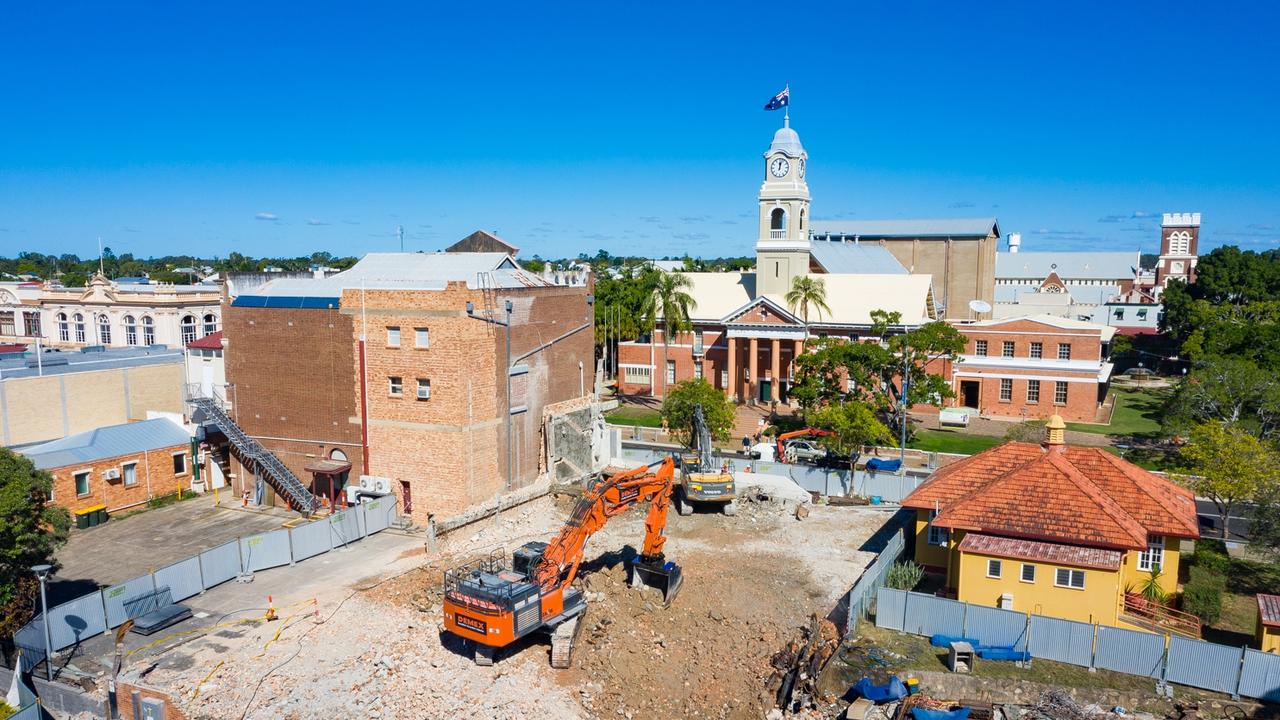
(715, 359)
(1085, 344)
(124, 701)
(1081, 406)
(155, 477)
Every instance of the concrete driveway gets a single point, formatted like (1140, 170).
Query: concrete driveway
(128, 547)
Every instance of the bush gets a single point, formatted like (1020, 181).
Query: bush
(1202, 595)
(904, 575)
(1212, 556)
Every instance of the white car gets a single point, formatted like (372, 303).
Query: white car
(804, 451)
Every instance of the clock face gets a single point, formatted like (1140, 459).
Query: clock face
(779, 167)
(801, 168)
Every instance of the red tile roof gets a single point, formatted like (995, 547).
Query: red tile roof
(1269, 609)
(1056, 553)
(212, 341)
(1080, 495)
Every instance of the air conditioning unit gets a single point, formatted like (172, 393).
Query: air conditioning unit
(1006, 601)
(367, 482)
(382, 485)
(111, 474)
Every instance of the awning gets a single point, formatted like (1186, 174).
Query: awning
(327, 467)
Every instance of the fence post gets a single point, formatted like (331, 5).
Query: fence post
(292, 562)
(1093, 650)
(964, 620)
(1235, 694)
(906, 596)
(1027, 635)
(102, 598)
(200, 569)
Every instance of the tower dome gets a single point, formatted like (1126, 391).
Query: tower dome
(786, 141)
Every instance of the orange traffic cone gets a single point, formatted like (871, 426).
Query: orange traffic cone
(271, 610)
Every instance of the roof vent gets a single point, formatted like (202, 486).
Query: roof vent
(1055, 432)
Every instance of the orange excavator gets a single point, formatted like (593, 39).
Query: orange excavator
(492, 604)
(803, 432)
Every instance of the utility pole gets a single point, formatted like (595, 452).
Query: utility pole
(902, 402)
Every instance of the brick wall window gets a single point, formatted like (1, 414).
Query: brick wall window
(671, 372)
(1006, 349)
(724, 379)
(395, 386)
(130, 473)
(421, 337)
(1028, 573)
(1153, 556)
(980, 348)
(697, 371)
(82, 483)
(1068, 578)
(180, 463)
(1033, 391)
(1006, 389)
(994, 568)
(697, 341)
(1064, 351)
(1059, 393)
(393, 337)
(1037, 350)
(424, 389)
(634, 375)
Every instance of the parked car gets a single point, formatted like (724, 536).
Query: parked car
(804, 451)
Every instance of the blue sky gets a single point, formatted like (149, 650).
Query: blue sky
(279, 129)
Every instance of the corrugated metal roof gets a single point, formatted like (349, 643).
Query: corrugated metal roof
(1068, 265)
(851, 298)
(1269, 609)
(958, 227)
(1055, 553)
(107, 442)
(852, 257)
(112, 359)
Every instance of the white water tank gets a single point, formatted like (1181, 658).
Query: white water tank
(1015, 241)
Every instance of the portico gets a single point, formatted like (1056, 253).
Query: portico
(762, 341)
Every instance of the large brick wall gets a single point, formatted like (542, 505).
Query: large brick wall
(155, 477)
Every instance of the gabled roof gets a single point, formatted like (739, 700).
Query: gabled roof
(741, 315)
(851, 298)
(959, 227)
(1078, 495)
(837, 256)
(108, 442)
(1068, 265)
(212, 341)
(1269, 609)
(483, 241)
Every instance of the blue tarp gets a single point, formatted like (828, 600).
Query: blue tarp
(927, 714)
(1003, 653)
(877, 464)
(944, 641)
(892, 690)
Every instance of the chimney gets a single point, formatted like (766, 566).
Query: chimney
(1055, 434)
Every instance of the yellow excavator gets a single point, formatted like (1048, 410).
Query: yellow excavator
(704, 480)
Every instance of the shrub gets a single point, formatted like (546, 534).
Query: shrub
(904, 575)
(1202, 595)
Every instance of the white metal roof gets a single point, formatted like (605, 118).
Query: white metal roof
(957, 227)
(851, 297)
(1068, 265)
(844, 257)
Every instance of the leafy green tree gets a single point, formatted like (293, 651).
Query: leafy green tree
(807, 291)
(74, 279)
(669, 304)
(717, 410)
(854, 425)
(1228, 465)
(1229, 390)
(30, 533)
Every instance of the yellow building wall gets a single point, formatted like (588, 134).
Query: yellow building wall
(1268, 638)
(1132, 577)
(1095, 603)
(926, 554)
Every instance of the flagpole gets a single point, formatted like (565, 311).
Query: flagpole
(786, 109)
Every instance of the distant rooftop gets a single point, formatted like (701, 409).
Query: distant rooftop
(111, 359)
(870, 229)
(848, 257)
(1068, 265)
(107, 442)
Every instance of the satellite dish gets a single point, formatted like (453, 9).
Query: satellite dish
(980, 306)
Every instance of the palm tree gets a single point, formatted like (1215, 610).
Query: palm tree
(669, 304)
(807, 291)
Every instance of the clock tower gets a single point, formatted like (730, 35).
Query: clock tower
(782, 246)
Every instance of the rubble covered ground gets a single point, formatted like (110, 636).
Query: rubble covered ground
(750, 581)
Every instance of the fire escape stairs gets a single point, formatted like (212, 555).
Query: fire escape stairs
(251, 453)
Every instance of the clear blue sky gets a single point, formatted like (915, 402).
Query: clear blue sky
(279, 129)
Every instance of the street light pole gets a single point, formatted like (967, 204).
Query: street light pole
(42, 572)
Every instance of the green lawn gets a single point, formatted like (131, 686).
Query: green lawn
(1245, 579)
(632, 415)
(950, 441)
(1137, 412)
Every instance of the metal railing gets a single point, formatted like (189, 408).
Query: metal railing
(1161, 616)
(777, 234)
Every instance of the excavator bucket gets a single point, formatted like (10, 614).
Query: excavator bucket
(664, 576)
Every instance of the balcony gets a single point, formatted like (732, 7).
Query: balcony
(777, 234)
(1144, 613)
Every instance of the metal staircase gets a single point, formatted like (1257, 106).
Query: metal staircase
(251, 453)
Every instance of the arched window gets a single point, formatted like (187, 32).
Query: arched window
(104, 329)
(210, 324)
(148, 331)
(336, 454)
(130, 330)
(64, 332)
(778, 219)
(802, 221)
(79, 323)
(188, 329)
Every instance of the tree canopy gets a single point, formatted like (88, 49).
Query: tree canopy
(1229, 465)
(677, 409)
(30, 533)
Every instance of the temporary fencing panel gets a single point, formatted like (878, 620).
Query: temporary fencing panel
(30, 712)
(220, 564)
(116, 597)
(345, 526)
(993, 626)
(74, 621)
(928, 615)
(146, 602)
(310, 540)
(1203, 665)
(182, 578)
(1129, 651)
(1260, 677)
(891, 605)
(268, 550)
(30, 642)
(377, 514)
(1062, 640)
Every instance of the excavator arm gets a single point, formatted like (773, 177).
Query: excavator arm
(804, 432)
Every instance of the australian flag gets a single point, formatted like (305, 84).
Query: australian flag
(780, 100)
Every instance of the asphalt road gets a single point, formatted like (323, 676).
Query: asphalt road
(1238, 524)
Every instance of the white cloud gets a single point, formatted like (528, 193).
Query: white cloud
(268, 216)
(315, 221)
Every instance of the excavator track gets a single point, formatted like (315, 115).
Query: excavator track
(484, 654)
(562, 642)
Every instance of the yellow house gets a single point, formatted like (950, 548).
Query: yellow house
(1070, 532)
(1269, 623)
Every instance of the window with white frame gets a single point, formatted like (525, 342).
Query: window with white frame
(395, 386)
(130, 473)
(1142, 313)
(1064, 351)
(1068, 578)
(994, 568)
(1006, 389)
(724, 379)
(82, 483)
(1006, 349)
(937, 535)
(1118, 313)
(130, 330)
(636, 374)
(79, 326)
(980, 348)
(180, 463)
(393, 336)
(1037, 350)
(1059, 393)
(671, 372)
(148, 331)
(64, 331)
(1028, 573)
(697, 341)
(1153, 557)
(104, 329)
(1033, 391)
(421, 337)
(424, 389)
(210, 324)
(188, 329)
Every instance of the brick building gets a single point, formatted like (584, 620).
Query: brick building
(1033, 367)
(396, 369)
(118, 466)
